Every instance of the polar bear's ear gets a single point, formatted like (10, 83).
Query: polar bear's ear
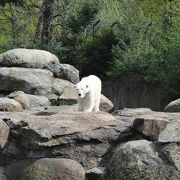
(87, 86)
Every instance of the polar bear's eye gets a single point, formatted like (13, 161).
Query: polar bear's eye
(87, 86)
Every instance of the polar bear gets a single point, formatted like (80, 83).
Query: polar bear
(89, 93)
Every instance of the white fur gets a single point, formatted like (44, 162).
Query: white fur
(89, 93)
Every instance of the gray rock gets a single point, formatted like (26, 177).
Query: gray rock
(150, 125)
(173, 106)
(4, 133)
(28, 58)
(36, 101)
(59, 85)
(171, 133)
(20, 97)
(69, 96)
(65, 71)
(172, 153)
(105, 104)
(7, 104)
(139, 160)
(32, 81)
(51, 168)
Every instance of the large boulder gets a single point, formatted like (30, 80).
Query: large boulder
(65, 71)
(7, 104)
(32, 81)
(139, 160)
(4, 133)
(173, 106)
(28, 58)
(57, 169)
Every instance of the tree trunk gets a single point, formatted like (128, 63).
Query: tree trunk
(47, 19)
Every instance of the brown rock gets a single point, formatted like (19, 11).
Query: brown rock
(150, 126)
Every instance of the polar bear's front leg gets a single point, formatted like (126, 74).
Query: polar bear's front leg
(96, 105)
(90, 105)
(80, 104)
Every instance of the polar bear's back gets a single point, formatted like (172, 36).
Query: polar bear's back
(93, 81)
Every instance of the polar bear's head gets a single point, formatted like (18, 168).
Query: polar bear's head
(82, 89)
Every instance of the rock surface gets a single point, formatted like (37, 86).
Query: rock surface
(32, 81)
(7, 104)
(28, 58)
(105, 104)
(20, 97)
(172, 153)
(59, 85)
(139, 160)
(65, 71)
(150, 125)
(64, 132)
(36, 101)
(171, 133)
(49, 168)
(173, 106)
(4, 133)
(69, 96)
